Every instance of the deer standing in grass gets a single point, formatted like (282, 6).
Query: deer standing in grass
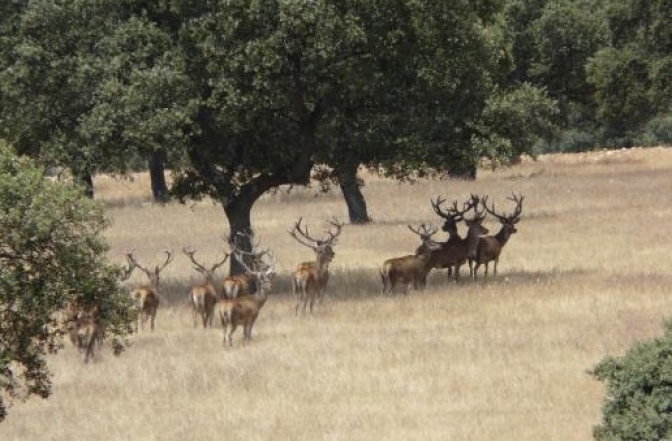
(203, 297)
(244, 284)
(146, 297)
(243, 311)
(309, 280)
(412, 269)
(490, 247)
(85, 330)
(455, 252)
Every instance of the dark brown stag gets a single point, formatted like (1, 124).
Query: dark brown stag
(412, 269)
(203, 297)
(455, 252)
(146, 297)
(309, 280)
(490, 247)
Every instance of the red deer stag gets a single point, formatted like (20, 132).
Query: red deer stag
(244, 284)
(146, 297)
(310, 278)
(411, 269)
(456, 250)
(203, 297)
(243, 311)
(490, 247)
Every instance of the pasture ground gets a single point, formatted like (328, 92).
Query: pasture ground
(502, 358)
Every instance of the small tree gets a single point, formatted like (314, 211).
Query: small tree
(52, 254)
(638, 405)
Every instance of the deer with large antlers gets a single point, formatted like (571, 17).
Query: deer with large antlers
(457, 250)
(309, 280)
(146, 297)
(490, 247)
(412, 269)
(244, 284)
(203, 297)
(243, 311)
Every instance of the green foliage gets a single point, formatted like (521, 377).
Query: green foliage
(52, 254)
(632, 75)
(638, 406)
(519, 119)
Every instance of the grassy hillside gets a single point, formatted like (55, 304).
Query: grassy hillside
(503, 358)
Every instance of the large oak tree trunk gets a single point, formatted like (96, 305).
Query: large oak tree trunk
(238, 212)
(157, 163)
(352, 193)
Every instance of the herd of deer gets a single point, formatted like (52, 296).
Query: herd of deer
(242, 296)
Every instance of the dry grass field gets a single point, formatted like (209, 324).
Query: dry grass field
(502, 358)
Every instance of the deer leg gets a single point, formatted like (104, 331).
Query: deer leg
(233, 329)
(495, 267)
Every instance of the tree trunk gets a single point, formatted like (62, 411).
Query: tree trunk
(86, 180)
(157, 162)
(352, 193)
(238, 212)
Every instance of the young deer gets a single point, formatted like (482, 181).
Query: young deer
(456, 250)
(310, 278)
(243, 311)
(146, 297)
(203, 296)
(244, 284)
(490, 247)
(411, 269)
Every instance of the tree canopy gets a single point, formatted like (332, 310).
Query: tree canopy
(249, 95)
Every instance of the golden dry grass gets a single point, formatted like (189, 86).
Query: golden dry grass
(504, 358)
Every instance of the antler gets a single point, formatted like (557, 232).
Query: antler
(191, 251)
(126, 274)
(479, 214)
(518, 200)
(302, 236)
(427, 231)
(334, 222)
(169, 258)
(134, 263)
(453, 213)
(513, 218)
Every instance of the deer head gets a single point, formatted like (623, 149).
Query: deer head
(323, 246)
(508, 221)
(453, 215)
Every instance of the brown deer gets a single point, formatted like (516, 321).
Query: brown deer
(203, 297)
(146, 297)
(456, 250)
(412, 269)
(490, 247)
(244, 284)
(243, 311)
(85, 330)
(309, 280)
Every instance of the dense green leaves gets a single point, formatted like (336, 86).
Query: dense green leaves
(51, 254)
(638, 406)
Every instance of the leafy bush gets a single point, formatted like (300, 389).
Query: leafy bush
(638, 405)
(52, 254)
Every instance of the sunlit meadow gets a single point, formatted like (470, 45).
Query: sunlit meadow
(502, 358)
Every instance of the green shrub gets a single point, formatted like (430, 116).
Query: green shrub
(638, 403)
